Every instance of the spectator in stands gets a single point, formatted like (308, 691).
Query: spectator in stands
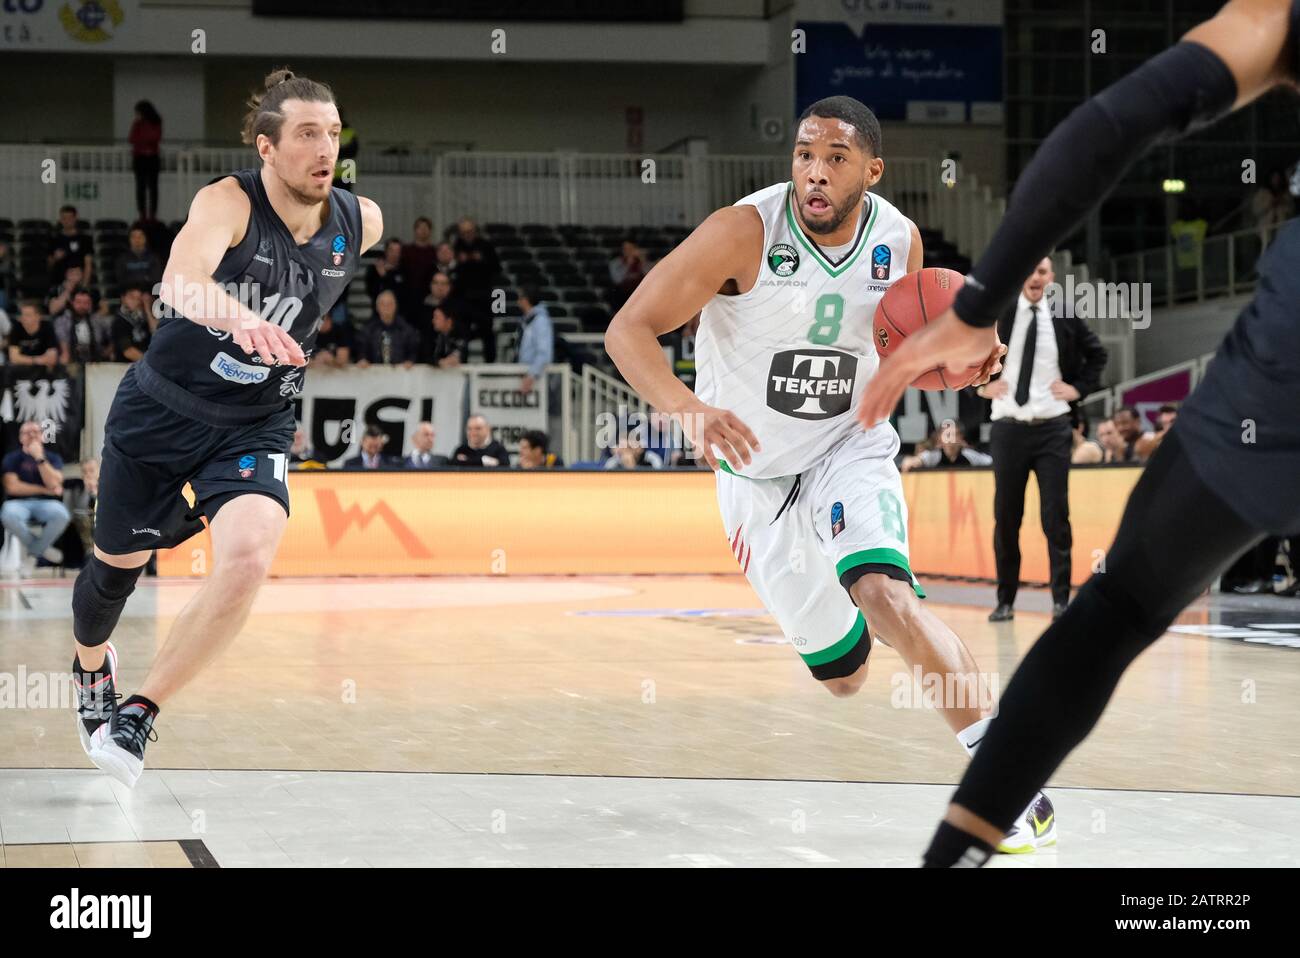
(84, 336)
(633, 455)
(59, 297)
(442, 347)
(71, 246)
(422, 455)
(146, 161)
(1149, 442)
(1085, 452)
(626, 272)
(1129, 423)
(476, 271)
(136, 265)
(372, 452)
(419, 259)
(479, 448)
(334, 343)
(533, 452)
(133, 328)
(388, 339)
(33, 342)
(80, 501)
(387, 273)
(537, 341)
(446, 260)
(1112, 443)
(33, 485)
(6, 326)
(441, 297)
(299, 450)
(6, 275)
(949, 448)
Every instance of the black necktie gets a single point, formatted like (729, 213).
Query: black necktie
(1027, 358)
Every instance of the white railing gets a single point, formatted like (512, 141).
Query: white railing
(600, 397)
(1226, 266)
(675, 189)
(581, 188)
(1109, 399)
(97, 180)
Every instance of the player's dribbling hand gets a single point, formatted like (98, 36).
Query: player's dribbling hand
(270, 342)
(708, 426)
(945, 342)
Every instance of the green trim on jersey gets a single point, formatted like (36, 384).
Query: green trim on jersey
(840, 648)
(879, 557)
(812, 249)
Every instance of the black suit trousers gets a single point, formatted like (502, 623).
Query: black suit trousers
(1043, 448)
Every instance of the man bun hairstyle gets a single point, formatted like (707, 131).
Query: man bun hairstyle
(264, 114)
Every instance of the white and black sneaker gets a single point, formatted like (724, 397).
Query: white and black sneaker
(97, 696)
(1035, 829)
(118, 746)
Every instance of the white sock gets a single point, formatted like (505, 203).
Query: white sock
(971, 736)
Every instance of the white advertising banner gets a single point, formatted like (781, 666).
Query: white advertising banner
(497, 394)
(88, 25)
(336, 406)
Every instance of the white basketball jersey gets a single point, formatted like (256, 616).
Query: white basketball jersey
(792, 356)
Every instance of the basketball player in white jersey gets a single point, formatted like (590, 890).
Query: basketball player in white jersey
(787, 281)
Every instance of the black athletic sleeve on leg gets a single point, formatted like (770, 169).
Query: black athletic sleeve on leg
(1182, 89)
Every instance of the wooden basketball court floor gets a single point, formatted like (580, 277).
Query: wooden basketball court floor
(610, 721)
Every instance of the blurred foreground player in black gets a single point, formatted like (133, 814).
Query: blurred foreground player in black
(1232, 461)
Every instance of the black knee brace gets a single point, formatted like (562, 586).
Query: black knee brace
(100, 593)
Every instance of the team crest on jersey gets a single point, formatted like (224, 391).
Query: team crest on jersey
(783, 259)
(247, 466)
(880, 257)
(837, 518)
(338, 248)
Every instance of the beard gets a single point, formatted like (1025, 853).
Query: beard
(838, 213)
(300, 194)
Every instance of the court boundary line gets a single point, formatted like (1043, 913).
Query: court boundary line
(652, 778)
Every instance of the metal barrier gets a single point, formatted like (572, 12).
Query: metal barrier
(582, 188)
(1226, 266)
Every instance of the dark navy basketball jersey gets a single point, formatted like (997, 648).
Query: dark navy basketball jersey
(283, 282)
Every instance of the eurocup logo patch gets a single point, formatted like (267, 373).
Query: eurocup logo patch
(880, 257)
(247, 466)
(783, 259)
(882, 337)
(339, 247)
(837, 519)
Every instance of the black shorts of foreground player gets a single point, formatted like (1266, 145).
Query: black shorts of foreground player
(210, 405)
(1230, 469)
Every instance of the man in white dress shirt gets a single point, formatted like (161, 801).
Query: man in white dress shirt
(1051, 362)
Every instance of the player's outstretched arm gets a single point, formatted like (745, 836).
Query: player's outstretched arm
(217, 221)
(1220, 65)
(720, 251)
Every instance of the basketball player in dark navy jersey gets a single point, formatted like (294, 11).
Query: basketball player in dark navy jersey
(1229, 470)
(264, 254)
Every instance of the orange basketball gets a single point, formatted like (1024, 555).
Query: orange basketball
(909, 304)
